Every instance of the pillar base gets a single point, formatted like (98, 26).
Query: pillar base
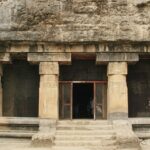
(46, 134)
(125, 136)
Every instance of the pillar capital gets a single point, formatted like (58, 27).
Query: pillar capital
(49, 68)
(117, 68)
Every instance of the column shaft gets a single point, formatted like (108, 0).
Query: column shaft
(48, 92)
(117, 94)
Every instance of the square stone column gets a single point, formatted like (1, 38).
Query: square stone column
(1, 91)
(117, 94)
(48, 92)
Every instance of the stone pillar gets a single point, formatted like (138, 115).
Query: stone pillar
(117, 94)
(48, 92)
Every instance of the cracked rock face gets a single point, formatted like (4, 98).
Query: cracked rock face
(77, 20)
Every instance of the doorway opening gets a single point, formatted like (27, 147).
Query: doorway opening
(83, 101)
(82, 90)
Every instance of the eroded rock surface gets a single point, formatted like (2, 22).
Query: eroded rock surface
(75, 20)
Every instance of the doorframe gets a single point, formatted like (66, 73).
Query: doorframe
(94, 92)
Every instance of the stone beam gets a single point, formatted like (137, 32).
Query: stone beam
(116, 57)
(50, 57)
(20, 48)
(5, 57)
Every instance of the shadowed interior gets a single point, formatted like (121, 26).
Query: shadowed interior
(83, 101)
(20, 89)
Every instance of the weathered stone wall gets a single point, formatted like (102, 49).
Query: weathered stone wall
(5, 14)
(75, 20)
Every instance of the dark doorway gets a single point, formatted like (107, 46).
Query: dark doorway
(83, 101)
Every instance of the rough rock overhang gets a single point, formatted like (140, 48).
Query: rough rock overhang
(75, 21)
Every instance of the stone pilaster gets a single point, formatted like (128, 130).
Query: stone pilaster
(117, 94)
(1, 90)
(4, 58)
(48, 92)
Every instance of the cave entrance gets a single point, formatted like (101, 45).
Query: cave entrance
(82, 100)
(82, 90)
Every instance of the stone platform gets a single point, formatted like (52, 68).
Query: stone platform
(81, 135)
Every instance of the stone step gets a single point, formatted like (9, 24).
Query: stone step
(26, 148)
(16, 133)
(25, 128)
(10, 143)
(82, 125)
(85, 143)
(13, 140)
(18, 144)
(85, 132)
(84, 148)
(143, 135)
(85, 137)
(23, 144)
(84, 122)
(128, 149)
(101, 127)
(59, 148)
